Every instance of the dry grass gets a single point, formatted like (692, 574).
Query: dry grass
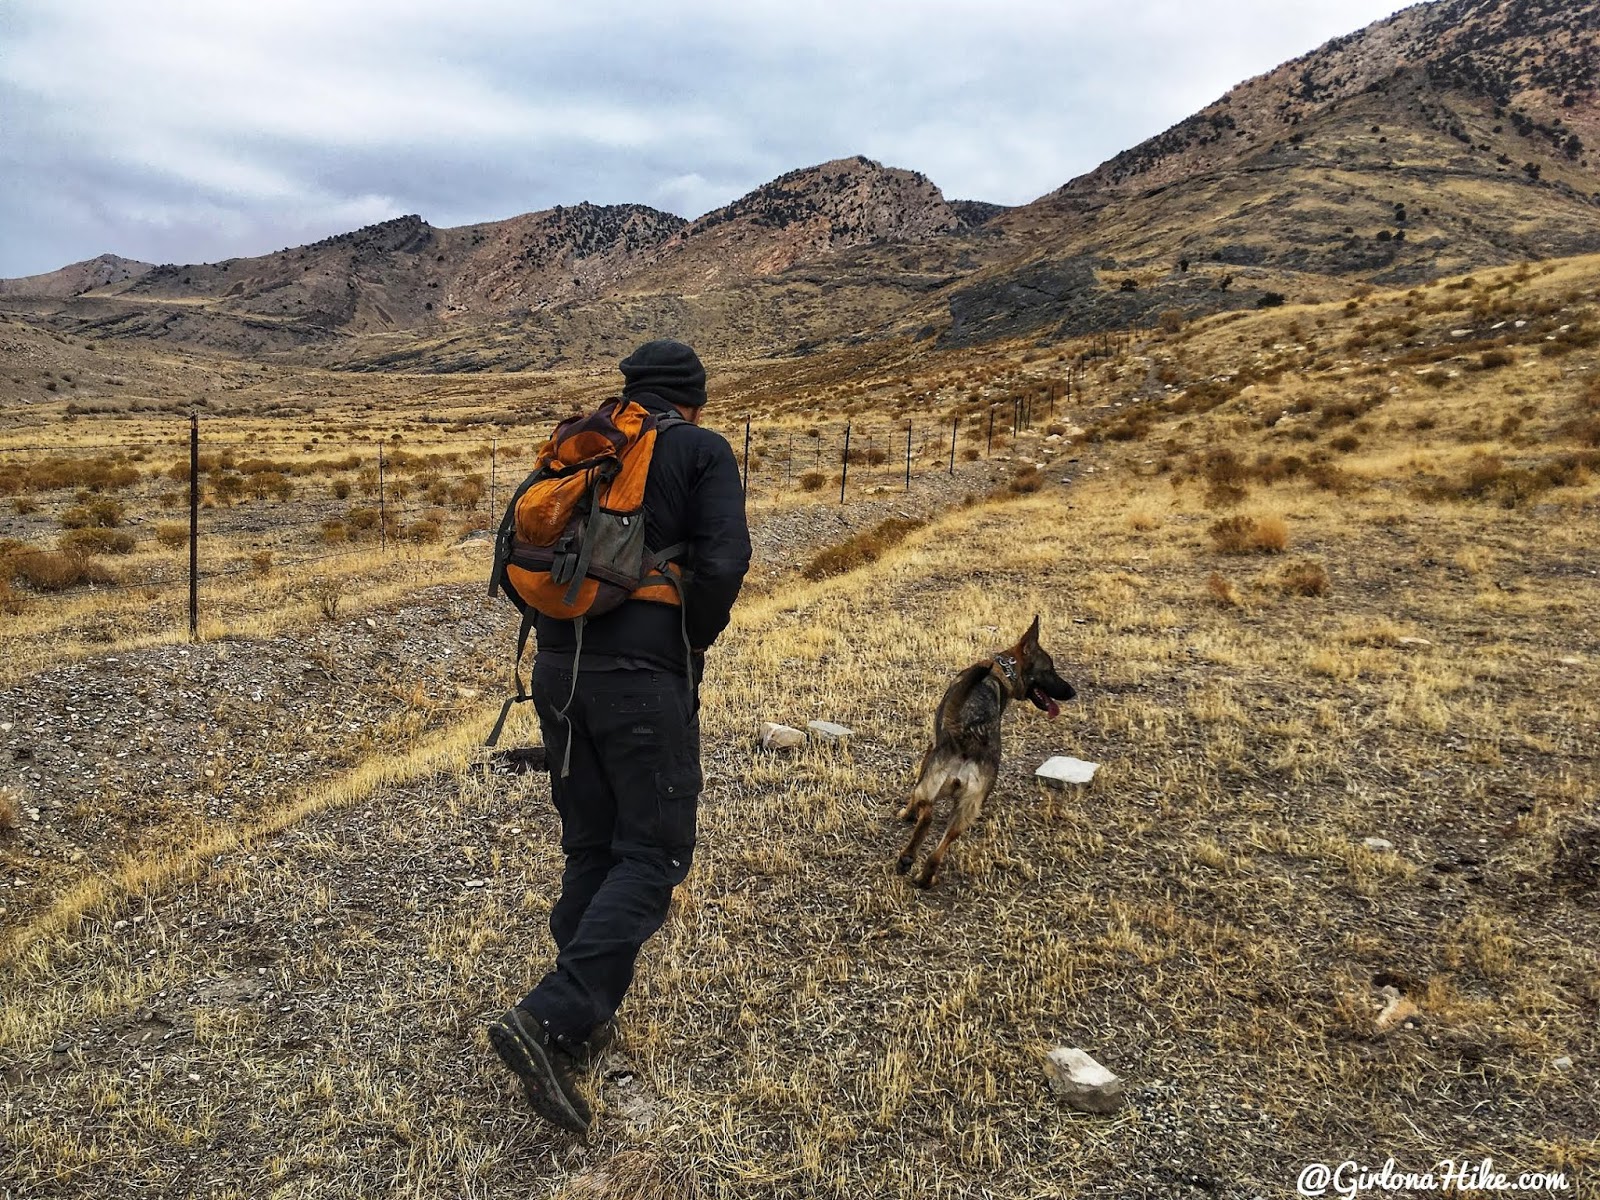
(1205, 918)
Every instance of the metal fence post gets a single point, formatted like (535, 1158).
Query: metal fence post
(383, 512)
(844, 470)
(194, 526)
(908, 456)
(494, 455)
(955, 423)
(746, 480)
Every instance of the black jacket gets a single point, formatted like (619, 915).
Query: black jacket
(692, 495)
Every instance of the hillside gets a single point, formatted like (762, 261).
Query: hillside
(106, 270)
(804, 215)
(1447, 137)
(1451, 136)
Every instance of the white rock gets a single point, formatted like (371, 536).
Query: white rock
(1377, 843)
(827, 731)
(1570, 660)
(1564, 1063)
(780, 737)
(1459, 333)
(1083, 1083)
(1412, 643)
(1062, 770)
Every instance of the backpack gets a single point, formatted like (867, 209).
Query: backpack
(571, 543)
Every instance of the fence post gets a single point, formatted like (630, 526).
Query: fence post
(908, 456)
(788, 463)
(194, 526)
(988, 443)
(844, 470)
(745, 483)
(383, 512)
(955, 424)
(494, 455)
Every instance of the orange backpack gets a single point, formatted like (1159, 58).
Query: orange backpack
(571, 543)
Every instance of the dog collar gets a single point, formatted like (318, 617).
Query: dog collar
(1007, 665)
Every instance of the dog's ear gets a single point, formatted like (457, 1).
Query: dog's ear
(1031, 638)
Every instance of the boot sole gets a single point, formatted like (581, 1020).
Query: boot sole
(539, 1084)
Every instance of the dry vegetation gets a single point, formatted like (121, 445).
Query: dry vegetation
(1310, 594)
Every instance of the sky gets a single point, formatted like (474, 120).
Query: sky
(197, 130)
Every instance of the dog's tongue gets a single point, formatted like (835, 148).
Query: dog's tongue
(1055, 709)
(1051, 706)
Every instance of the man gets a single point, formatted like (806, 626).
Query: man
(629, 726)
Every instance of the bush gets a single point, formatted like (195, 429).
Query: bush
(1248, 535)
(57, 570)
(1304, 578)
(173, 535)
(98, 541)
(25, 505)
(812, 480)
(422, 531)
(98, 514)
(334, 531)
(340, 488)
(1270, 300)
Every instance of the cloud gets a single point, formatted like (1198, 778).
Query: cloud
(190, 130)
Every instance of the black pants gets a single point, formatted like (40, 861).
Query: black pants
(627, 810)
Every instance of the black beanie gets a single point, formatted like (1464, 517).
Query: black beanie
(669, 369)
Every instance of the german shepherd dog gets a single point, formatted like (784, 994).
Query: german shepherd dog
(964, 759)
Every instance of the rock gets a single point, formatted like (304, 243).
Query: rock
(1570, 661)
(1083, 1083)
(827, 731)
(1396, 1011)
(1377, 843)
(1564, 1063)
(1412, 643)
(1062, 770)
(780, 737)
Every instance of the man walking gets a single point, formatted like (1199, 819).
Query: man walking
(621, 708)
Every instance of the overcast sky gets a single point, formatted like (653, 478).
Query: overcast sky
(195, 130)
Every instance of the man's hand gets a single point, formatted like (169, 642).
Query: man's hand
(697, 665)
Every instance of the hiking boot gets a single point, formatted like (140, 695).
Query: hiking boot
(600, 1042)
(548, 1073)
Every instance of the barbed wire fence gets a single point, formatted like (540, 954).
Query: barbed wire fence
(236, 505)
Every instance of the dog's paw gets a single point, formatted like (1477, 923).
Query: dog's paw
(923, 881)
(905, 814)
(904, 865)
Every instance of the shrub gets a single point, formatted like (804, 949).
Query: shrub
(362, 520)
(11, 602)
(25, 505)
(1490, 359)
(1222, 591)
(58, 570)
(10, 815)
(1026, 480)
(173, 535)
(812, 480)
(261, 563)
(98, 541)
(422, 531)
(340, 488)
(1270, 300)
(1303, 578)
(334, 531)
(97, 514)
(1247, 535)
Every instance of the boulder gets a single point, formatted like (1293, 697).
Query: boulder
(827, 731)
(1062, 770)
(1083, 1083)
(780, 737)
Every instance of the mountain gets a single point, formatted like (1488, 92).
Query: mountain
(804, 215)
(105, 271)
(1449, 136)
